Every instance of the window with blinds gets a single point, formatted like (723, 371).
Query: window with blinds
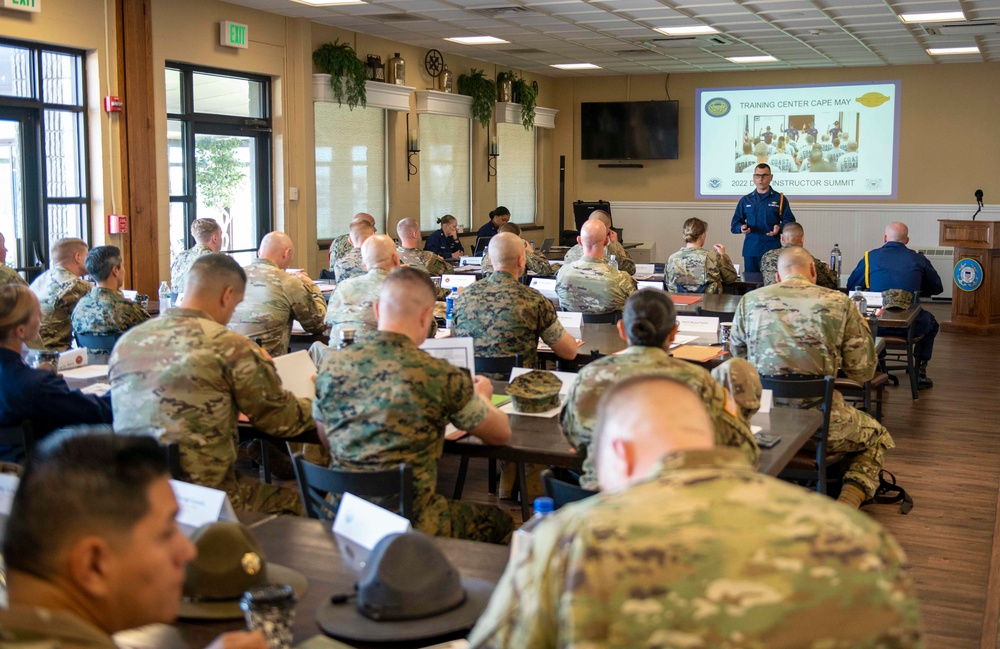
(444, 170)
(350, 167)
(516, 172)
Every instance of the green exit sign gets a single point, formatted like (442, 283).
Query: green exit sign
(231, 34)
(33, 6)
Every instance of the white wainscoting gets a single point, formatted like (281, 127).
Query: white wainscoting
(857, 227)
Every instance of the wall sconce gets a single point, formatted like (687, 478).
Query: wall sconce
(491, 159)
(412, 149)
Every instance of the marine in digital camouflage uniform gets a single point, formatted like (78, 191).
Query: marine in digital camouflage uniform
(105, 312)
(579, 415)
(534, 262)
(625, 262)
(424, 260)
(592, 286)
(769, 269)
(340, 247)
(702, 554)
(189, 376)
(182, 264)
(272, 300)
(383, 401)
(698, 270)
(349, 265)
(796, 327)
(352, 305)
(58, 291)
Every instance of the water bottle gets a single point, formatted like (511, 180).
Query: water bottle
(836, 260)
(613, 262)
(449, 306)
(543, 507)
(860, 302)
(163, 294)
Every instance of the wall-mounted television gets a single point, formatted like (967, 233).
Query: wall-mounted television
(628, 130)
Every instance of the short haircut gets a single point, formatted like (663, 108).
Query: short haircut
(602, 216)
(505, 249)
(63, 249)
(17, 303)
(761, 149)
(747, 148)
(764, 165)
(214, 272)
(412, 282)
(203, 229)
(649, 316)
(693, 229)
(792, 231)
(102, 260)
(376, 250)
(79, 483)
(361, 230)
(408, 228)
(513, 228)
(794, 259)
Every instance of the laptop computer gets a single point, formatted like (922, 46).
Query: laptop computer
(482, 243)
(547, 244)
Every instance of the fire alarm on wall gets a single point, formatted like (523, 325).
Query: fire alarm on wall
(117, 223)
(113, 104)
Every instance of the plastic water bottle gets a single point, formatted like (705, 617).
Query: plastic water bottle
(163, 295)
(543, 506)
(613, 262)
(836, 260)
(449, 306)
(860, 302)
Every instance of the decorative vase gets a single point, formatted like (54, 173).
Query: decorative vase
(397, 70)
(504, 88)
(446, 80)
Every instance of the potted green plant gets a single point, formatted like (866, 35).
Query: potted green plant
(522, 93)
(483, 92)
(346, 70)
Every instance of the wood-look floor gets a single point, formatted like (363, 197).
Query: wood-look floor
(947, 456)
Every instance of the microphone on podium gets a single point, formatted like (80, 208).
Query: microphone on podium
(979, 200)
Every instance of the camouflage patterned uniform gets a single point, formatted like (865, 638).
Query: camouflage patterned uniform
(505, 318)
(33, 627)
(10, 276)
(272, 300)
(349, 265)
(425, 260)
(694, 268)
(58, 291)
(188, 376)
(340, 247)
(796, 327)
(534, 262)
(104, 312)
(383, 401)
(352, 305)
(769, 268)
(704, 553)
(182, 264)
(591, 286)
(625, 262)
(579, 415)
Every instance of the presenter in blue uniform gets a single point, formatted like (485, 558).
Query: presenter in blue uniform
(896, 266)
(498, 217)
(445, 242)
(760, 215)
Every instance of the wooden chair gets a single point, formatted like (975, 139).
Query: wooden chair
(21, 435)
(899, 354)
(562, 492)
(316, 483)
(602, 318)
(804, 465)
(101, 342)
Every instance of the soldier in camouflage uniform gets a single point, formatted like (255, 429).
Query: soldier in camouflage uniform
(793, 235)
(796, 327)
(7, 274)
(693, 269)
(383, 401)
(105, 311)
(58, 290)
(590, 285)
(342, 245)
(689, 547)
(352, 305)
(207, 235)
(535, 262)
(351, 265)
(275, 297)
(410, 253)
(188, 376)
(612, 247)
(649, 324)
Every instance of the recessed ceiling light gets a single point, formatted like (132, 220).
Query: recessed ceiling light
(940, 51)
(751, 59)
(933, 17)
(329, 3)
(477, 40)
(689, 30)
(577, 66)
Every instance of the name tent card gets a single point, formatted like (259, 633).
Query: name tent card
(545, 286)
(650, 284)
(470, 261)
(365, 523)
(461, 281)
(201, 505)
(698, 324)
(570, 319)
(645, 270)
(73, 358)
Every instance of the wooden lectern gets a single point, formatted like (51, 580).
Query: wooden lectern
(978, 311)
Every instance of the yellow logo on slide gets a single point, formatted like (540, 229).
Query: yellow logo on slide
(872, 99)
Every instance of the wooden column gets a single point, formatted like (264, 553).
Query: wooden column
(138, 146)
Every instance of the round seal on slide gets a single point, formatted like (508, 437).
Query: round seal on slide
(968, 274)
(718, 107)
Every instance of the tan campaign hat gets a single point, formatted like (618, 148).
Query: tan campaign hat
(535, 391)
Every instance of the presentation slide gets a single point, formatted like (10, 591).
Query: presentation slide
(837, 141)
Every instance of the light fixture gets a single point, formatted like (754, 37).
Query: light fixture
(688, 30)
(933, 17)
(576, 66)
(941, 51)
(329, 3)
(752, 59)
(477, 40)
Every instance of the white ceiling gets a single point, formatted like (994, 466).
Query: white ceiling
(618, 34)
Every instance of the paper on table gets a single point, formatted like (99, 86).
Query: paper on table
(86, 372)
(698, 323)
(685, 299)
(443, 333)
(327, 288)
(696, 353)
(96, 389)
(459, 352)
(766, 399)
(296, 372)
(451, 433)
(657, 285)
(682, 340)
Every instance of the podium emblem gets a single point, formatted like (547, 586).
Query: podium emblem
(968, 274)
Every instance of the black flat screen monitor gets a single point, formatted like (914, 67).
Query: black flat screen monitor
(628, 130)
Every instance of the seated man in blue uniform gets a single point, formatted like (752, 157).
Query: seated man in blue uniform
(896, 266)
(760, 215)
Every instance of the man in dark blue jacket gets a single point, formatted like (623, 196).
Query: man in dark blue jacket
(760, 215)
(896, 266)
